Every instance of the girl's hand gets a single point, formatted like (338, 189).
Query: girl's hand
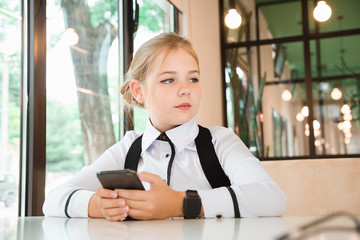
(106, 204)
(159, 202)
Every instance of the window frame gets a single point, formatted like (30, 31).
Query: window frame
(33, 97)
(308, 80)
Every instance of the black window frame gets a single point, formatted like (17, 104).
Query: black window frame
(305, 38)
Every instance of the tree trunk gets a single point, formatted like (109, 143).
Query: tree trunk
(90, 58)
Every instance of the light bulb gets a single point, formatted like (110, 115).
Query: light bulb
(347, 124)
(286, 95)
(316, 125)
(322, 11)
(300, 117)
(348, 135)
(70, 37)
(336, 94)
(348, 117)
(233, 19)
(345, 109)
(305, 111)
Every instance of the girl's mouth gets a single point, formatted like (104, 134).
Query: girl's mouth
(183, 106)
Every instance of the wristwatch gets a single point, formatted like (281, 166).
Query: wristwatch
(192, 204)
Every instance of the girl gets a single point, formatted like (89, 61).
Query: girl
(164, 78)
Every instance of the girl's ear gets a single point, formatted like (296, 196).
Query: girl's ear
(136, 90)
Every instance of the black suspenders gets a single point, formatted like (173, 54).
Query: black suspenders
(208, 160)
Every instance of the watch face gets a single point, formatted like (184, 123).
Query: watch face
(192, 206)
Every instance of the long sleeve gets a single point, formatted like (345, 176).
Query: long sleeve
(256, 191)
(72, 198)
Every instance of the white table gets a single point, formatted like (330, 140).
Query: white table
(38, 228)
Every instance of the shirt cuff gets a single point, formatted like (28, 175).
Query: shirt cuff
(217, 202)
(79, 204)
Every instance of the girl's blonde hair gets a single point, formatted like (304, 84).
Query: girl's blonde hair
(145, 56)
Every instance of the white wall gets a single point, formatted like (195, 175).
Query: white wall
(202, 28)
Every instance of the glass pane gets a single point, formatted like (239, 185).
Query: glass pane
(155, 17)
(279, 20)
(282, 61)
(82, 85)
(242, 91)
(337, 116)
(335, 56)
(286, 131)
(345, 16)
(10, 86)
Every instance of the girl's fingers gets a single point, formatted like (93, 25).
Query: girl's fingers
(106, 193)
(138, 214)
(131, 194)
(118, 213)
(111, 203)
(135, 204)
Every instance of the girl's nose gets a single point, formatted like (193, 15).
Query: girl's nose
(184, 89)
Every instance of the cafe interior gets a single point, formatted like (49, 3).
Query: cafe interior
(284, 75)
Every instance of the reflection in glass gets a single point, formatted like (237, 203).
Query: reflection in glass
(283, 61)
(339, 120)
(10, 105)
(285, 123)
(335, 56)
(282, 19)
(244, 96)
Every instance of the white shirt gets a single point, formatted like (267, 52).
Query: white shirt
(256, 191)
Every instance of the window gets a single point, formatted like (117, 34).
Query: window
(85, 61)
(10, 92)
(82, 85)
(83, 79)
(304, 95)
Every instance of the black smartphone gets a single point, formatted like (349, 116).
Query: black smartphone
(120, 179)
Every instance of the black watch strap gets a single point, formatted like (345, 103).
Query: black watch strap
(192, 204)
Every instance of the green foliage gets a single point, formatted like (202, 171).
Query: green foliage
(151, 16)
(103, 11)
(64, 149)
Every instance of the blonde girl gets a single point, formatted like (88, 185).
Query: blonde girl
(164, 78)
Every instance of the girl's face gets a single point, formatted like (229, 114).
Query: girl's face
(172, 91)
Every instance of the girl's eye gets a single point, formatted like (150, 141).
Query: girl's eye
(167, 81)
(194, 80)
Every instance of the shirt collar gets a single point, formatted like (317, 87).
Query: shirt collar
(180, 136)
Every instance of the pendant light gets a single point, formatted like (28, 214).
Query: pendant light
(322, 11)
(232, 18)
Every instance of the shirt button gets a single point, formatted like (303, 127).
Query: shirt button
(167, 155)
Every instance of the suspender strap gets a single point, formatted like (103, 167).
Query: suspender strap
(209, 161)
(207, 155)
(133, 155)
(235, 202)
